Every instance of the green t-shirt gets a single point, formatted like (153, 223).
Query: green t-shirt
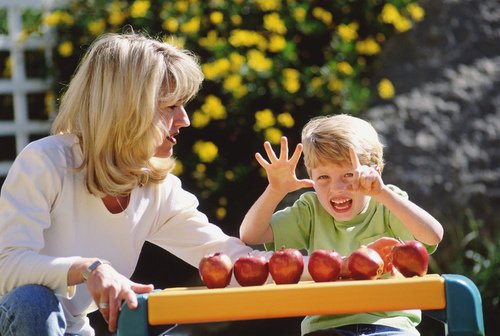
(306, 225)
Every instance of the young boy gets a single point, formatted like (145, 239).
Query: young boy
(349, 207)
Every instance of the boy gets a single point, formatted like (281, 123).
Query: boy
(349, 207)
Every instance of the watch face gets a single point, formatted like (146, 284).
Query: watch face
(90, 269)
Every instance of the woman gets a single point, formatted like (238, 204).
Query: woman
(77, 206)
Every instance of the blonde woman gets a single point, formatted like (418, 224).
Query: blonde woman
(350, 206)
(77, 206)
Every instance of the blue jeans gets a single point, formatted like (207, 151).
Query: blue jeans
(360, 330)
(31, 310)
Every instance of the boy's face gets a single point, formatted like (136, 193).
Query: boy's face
(332, 183)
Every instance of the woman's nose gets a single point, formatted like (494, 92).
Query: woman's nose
(181, 118)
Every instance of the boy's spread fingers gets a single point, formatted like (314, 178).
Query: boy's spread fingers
(284, 148)
(263, 162)
(354, 158)
(270, 153)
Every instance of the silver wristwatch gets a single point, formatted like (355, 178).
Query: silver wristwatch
(91, 269)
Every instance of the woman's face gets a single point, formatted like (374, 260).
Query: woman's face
(174, 118)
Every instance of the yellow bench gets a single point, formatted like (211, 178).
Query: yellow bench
(451, 299)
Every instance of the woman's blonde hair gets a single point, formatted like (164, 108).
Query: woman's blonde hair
(327, 140)
(111, 105)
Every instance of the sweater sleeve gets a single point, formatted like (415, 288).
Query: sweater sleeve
(187, 233)
(27, 197)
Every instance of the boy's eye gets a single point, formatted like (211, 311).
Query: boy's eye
(323, 177)
(348, 175)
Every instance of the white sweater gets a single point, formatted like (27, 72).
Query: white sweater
(48, 218)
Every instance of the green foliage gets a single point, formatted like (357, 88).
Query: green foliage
(472, 249)
(270, 66)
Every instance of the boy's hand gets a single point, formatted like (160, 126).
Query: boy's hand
(281, 171)
(366, 179)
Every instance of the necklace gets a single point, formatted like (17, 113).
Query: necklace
(121, 207)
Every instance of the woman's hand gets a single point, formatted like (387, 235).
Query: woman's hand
(109, 289)
(281, 171)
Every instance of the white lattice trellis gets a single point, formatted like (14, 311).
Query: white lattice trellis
(19, 86)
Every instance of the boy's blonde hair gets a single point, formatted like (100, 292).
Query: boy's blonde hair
(111, 105)
(327, 139)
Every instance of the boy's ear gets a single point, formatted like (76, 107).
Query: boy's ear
(378, 169)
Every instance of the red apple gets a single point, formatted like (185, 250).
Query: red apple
(384, 247)
(286, 266)
(324, 265)
(411, 258)
(216, 270)
(251, 270)
(365, 264)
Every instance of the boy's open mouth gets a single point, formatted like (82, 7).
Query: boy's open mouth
(341, 205)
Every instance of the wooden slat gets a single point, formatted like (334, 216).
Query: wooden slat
(199, 304)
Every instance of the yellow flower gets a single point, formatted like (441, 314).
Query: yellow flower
(299, 14)
(345, 68)
(247, 38)
(276, 43)
(201, 168)
(178, 168)
(269, 5)
(213, 107)
(322, 15)
(207, 151)
(216, 17)
(96, 27)
(49, 101)
(316, 82)
(335, 85)
(389, 13)
(264, 119)
(368, 47)
(200, 119)
(170, 25)
(290, 80)
(348, 32)
(8, 67)
(258, 61)
(192, 26)
(385, 89)
(236, 20)
(229, 175)
(58, 17)
(237, 61)
(52, 19)
(116, 15)
(232, 82)
(65, 49)
(139, 8)
(417, 13)
(216, 69)
(285, 119)
(273, 23)
(273, 135)
(220, 213)
(182, 6)
(402, 24)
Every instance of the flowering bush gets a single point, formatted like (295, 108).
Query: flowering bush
(270, 66)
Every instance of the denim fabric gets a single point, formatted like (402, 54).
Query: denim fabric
(31, 310)
(360, 330)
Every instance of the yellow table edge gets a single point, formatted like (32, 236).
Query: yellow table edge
(200, 304)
